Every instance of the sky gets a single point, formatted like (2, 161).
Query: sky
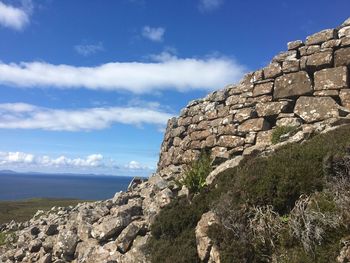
(87, 86)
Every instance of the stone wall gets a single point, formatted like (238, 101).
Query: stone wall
(306, 84)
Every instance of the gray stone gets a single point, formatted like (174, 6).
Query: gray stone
(230, 164)
(312, 109)
(332, 78)
(345, 42)
(230, 141)
(321, 36)
(51, 229)
(293, 84)
(285, 56)
(294, 122)
(326, 93)
(263, 88)
(66, 243)
(320, 60)
(272, 108)
(110, 226)
(291, 66)
(272, 70)
(309, 50)
(342, 57)
(259, 124)
(264, 137)
(128, 235)
(295, 44)
(346, 22)
(244, 114)
(344, 96)
(344, 32)
(331, 43)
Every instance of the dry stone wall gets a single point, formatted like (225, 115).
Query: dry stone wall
(306, 84)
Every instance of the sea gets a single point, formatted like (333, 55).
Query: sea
(86, 187)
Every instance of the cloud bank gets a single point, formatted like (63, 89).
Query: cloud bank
(181, 74)
(14, 17)
(27, 116)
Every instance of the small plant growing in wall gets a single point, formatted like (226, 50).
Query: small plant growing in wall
(195, 173)
(277, 134)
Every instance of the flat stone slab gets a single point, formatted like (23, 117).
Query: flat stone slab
(332, 78)
(320, 37)
(342, 57)
(293, 84)
(312, 109)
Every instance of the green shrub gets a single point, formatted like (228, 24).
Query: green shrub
(282, 130)
(195, 174)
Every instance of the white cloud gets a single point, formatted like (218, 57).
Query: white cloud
(27, 116)
(153, 33)
(209, 5)
(14, 17)
(168, 72)
(135, 165)
(87, 50)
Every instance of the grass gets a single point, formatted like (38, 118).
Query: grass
(280, 131)
(24, 210)
(278, 181)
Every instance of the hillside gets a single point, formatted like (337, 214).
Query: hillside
(255, 172)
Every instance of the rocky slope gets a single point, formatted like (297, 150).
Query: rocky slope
(306, 87)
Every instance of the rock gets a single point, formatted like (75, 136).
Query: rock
(259, 124)
(293, 84)
(110, 226)
(320, 37)
(214, 256)
(200, 135)
(285, 56)
(346, 22)
(230, 141)
(230, 164)
(51, 230)
(326, 93)
(128, 235)
(204, 243)
(263, 88)
(258, 76)
(67, 241)
(244, 114)
(309, 50)
(344, 32)
(294, 122)
(342, 57)
(344, 96)
(272, 108)
(320, 60)
(20, 254)
(291, 66)
(295, 44)
(47, 258)
(264, 137)
(136, 181)
(34, 230)
(331, 43)
(332, 78)
(312, 109)
(272, 70)
(35, 245)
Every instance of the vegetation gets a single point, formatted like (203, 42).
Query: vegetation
(25, 209)
(292, 206)
(2, 238)
(277, 134)
(195, 174)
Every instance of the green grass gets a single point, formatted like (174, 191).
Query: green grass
(24, 210)
(277, 180)
(2, 238)
(282, 130)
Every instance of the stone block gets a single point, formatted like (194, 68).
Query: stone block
(331, 78)
(321, 36)
(293, 84)
(263, 88)
(320, 60)
(344, 95)
(272, 70)
(291, 66)
(244, 114)
(344, 32)
(264, 137)
(295, 44)
(342, 57)
(326, 93)
(294, 122)
(285, 56)
(230, 141)
(254, 125)
(272, 108)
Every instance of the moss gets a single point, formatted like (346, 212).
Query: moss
(282, 130)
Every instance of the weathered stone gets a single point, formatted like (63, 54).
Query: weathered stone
(312, 109)
(110, 226)
(250, 138)
(219, 154)
(224, 167)
(230, 141)
(258, 76)
(229, 129)
(66, 243)
(51, 230)
(346, 23)
(345, 42)
(342, 57)
(209, 142)
(291, 66)
(178, 132)
(293, 84)
(332, 78)
(295, 44)
(263, 88)
(344, 32)
(309, 50)
(252, 125)
(285, 56)
(326, 93)
(272, 108)
(184, 121)
(264, 137)
(34, 230)
(200, 135)
(321, 36)
(294, 122)
(331, 43)
(204, 243)
(244, 114)
(272, 70)
(128, 235)
(344, 96)
(235, 99)
(320, 60)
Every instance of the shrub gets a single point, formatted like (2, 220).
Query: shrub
(278, 132)
(195, 174)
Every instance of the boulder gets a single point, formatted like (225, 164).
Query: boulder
(110, 226)
(331, 78)
(259, 124)
(293, 84)
(272, 108)
(342, 57)
(67, 241)
(312, 109)
(230, 164)
(321, 36)
(326, 93)
(128, 235)
(204, 243)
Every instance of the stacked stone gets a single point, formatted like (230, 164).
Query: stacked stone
(306, 84)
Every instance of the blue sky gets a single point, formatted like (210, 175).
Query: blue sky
(87, 85)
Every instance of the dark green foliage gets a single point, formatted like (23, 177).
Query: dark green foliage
(282, 130)
(278, 180)
(196, 173)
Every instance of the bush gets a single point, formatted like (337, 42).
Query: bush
(278, 132)
(195, 174)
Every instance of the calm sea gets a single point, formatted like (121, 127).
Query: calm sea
(24, 186)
